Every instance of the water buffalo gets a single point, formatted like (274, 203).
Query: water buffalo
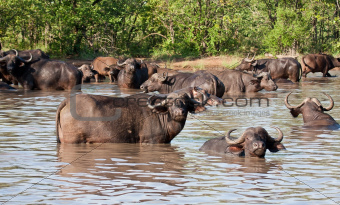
(169, 72)
(253, 143)
(236, 81)
(313, 113)
(86, 72)
(105, 66)
(36, 54)
(42, 74)
(133, 73)
(319, 63)
(166, 84)
(139, 118)
(278, 68)
(152, 68)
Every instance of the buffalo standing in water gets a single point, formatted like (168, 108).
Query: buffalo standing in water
(132, 74)
(253, 143)
(313, 113)
(35, 55)
(319, 63)
(134, 119)
(279, 68)
(42, 74)
(236, 81)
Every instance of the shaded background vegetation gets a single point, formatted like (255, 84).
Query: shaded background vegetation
(164, 28)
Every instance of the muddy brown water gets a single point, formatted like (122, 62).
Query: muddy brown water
(34, 169)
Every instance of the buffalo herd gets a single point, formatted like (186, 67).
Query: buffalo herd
(159, 117)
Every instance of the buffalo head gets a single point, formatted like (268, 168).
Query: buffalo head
(154, 82)
(262, 81)
(87, 72)
(14, 61)
(254, 142)
(247, 64)
(313, 111)
(179, 103)
(130, 65)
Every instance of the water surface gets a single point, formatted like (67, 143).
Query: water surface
(34, 169)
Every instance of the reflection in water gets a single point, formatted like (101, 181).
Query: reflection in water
(33, 163)
(123, 167)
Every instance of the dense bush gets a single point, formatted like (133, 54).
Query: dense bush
(181, 28)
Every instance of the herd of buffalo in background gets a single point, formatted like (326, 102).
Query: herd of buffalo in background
(158, 118)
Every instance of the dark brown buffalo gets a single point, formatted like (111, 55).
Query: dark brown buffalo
(106, 66)
(319, 63)
(132, 74)
(139, 118)
(236, 81)
(166, 84)
(167, 71)
(86, 72)
(313, 113)
(152, 68)
(279, 68)
(42, 74)
(253, 143)
(36, 54)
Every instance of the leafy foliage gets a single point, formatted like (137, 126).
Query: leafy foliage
(88, 28)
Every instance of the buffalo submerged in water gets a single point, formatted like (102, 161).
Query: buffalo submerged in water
(313, 113)
(252, 143)
(140, 118)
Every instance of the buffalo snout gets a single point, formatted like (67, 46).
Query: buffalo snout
(144, 88)
(179, 112)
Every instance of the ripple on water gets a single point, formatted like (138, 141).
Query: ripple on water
(306, 173)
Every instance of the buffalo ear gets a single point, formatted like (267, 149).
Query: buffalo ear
(235, 149)
(199, 108)
(295, 112)
(161, 109)
(275, 147)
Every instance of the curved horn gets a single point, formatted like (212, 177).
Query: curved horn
(261, 74)
(163, 78)
(331, 105)
(203, 100)
(121, 64)
(316, 101)
(16, 52)
(289, 106)
(157, 105)
(249, 60)
(235, 141)
(25, 61)
(280, 137)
